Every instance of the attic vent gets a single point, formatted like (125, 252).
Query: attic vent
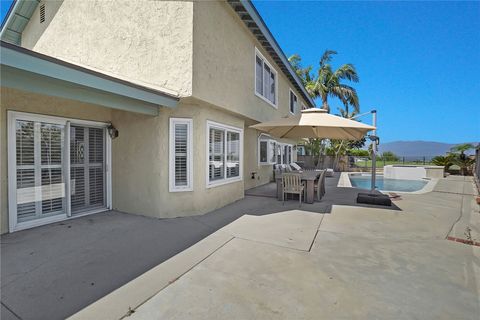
(42, 13)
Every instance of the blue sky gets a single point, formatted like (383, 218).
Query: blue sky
(419, 62)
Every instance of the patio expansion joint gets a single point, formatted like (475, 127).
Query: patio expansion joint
(10, 310)
(316, 234)
(269, 244)
(177, 278)
(457, 220)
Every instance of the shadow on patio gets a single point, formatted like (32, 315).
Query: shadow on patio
(53, 271)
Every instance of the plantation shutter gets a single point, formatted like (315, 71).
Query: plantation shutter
(39, 169)
(233, 154)
(51, 151)
(96, 177)
(87, 168)
(217, 154)
(181, 156)
(26, 208)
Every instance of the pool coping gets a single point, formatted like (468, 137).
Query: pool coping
(344, 182)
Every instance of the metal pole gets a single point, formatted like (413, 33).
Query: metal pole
(374, 150)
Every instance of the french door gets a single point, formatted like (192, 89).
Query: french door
(57, 168)
(284, 153)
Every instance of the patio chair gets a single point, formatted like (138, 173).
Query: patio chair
(320, 185)
(295, 166)
(292, 183)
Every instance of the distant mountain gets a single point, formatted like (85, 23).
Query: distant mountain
(419, 148)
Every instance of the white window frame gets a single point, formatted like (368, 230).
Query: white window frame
(12, 117)
(268, 140)
(171, 161)
(295, 106)
(225, 128)
(265, 61)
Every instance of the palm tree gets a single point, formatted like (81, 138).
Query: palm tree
(305, 74)
(444, 161)
(328, 83)
(462, 148)
(460, 158)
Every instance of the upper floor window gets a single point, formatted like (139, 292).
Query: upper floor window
(265, 79)
(181, 160)
(293, 102)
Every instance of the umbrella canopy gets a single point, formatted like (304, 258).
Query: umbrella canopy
(315, 123)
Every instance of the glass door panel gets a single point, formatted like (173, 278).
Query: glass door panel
(39, 170)
(87, 168)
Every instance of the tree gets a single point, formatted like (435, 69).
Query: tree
(444, 161)
(388, 156)
(461, 149)
(328, 83)
(460, 159)
(465, 164)
(305, 74)
(358, 153)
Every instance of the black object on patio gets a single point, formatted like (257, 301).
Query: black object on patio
(374, 198)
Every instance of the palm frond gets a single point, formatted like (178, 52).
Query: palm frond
(347, 71)
(326, 57)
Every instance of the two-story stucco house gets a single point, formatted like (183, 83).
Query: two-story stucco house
(139, 106)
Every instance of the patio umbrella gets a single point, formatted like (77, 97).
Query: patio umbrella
(315, 123)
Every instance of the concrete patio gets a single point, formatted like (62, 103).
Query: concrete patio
(257, 259)
(351, 263)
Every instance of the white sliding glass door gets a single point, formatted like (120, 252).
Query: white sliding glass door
(87, 168)
(56, 168)
(39, 170)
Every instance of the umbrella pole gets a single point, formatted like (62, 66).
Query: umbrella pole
(374, 151)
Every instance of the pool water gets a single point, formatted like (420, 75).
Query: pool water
(364, 182)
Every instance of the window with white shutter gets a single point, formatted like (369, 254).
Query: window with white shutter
(180, 162)
(224, 153)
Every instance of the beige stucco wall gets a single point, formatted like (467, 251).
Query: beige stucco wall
(224, 64)
(140, 174)
(16, 100)
(143, 40)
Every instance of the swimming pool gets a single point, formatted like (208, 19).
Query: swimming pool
(363, 181)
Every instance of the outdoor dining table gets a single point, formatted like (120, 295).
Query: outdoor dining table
(308, 177)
